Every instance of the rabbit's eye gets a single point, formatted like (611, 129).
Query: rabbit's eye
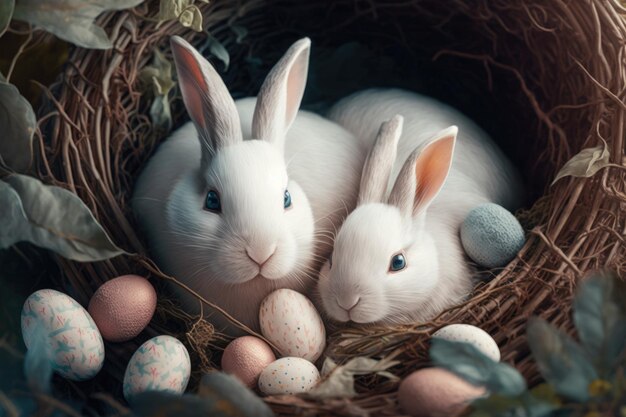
(397, 263)
(287, 199)
(212, 202)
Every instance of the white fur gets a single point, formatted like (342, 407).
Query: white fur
(315, 159)
(437, 275)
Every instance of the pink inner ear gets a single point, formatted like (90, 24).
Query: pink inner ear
(192, 84)
(431, 170)
(295, 84)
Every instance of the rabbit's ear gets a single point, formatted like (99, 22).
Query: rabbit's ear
(379, 162)
(424, 173)
(206, 98)
(280, 96)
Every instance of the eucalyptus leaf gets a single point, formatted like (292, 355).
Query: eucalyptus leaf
(6, 12)
(339, 379)
(600, 322)
(19, 123)
(218, 50)
(71, 20)
(51, 217)
(471, 364)
(38, 361)
(240, 31)
(561, 361)
(191, 17)
(586, 163)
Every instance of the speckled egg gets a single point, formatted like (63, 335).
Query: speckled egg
(160, 364)
(290, 321)
(435, 392)
(473, 335)
(289, 376)
(246, 357)
(491, 235)
(74, 340)
(123, 307)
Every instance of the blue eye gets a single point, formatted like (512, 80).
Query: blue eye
(212, 202)
(397, 263)
(287, 199)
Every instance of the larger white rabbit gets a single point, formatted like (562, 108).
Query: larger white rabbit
(243, 200)
(398, 257)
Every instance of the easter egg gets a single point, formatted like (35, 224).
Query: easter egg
(491, 235)
(473, 335)
(74, 342)
(123, 307)
(246, 357)
(160, 364)
(289, 376)
(290, 321)
(436, 392)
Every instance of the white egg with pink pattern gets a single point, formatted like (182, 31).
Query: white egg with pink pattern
(290, 321)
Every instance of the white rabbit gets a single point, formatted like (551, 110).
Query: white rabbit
(244, 200)
(398, 257)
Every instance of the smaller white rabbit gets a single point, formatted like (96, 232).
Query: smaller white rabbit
(398, 259)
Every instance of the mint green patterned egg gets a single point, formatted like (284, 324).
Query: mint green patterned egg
(160, 364)
(75, 346)
(491, 235)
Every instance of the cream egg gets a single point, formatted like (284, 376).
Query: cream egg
(290, 321)
(74, 342)
(470, 334)
(246, 357)
(288, 376)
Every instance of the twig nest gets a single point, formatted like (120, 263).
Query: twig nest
(289, 376)
(123, 307)
(436, 392)
(246, 357)
(491, 235)
(473, 335)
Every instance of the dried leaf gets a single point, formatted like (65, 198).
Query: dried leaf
(240, 31)
(38, 361)
(71, 20)
(52, 218)
(586, 163)
(191, 17)
(471, 364)
(171, 9)
(6, 12)
(18, 122)
(561, 361)
(600, 322)
(218, 50)
(157, 79)
(339, 380)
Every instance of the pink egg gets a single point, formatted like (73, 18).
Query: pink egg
(123, 307)
(246, 357)
(436, 392)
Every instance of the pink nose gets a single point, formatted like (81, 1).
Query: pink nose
(261, 254)
(349, 303)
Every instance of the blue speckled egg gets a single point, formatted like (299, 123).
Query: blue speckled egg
(74, 342)
(491, 235)
(160, 364)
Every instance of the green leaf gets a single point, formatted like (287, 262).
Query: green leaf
(191, 17)
(6, 12)
(561, 361)
(229, 397)
(219, 51)
(240, 31)
(157, 79)
(171, 9)
(71, 20)
(52, 218)
(19, 123)
(586, 163)
(38, 361)
(600, 322)
(471, 364)
(339, 380)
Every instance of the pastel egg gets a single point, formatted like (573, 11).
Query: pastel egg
(288, 376)
(75, 344)
(123, 307)
(473, 335)
(491, 235)
(436, 392)
(246, 357)
(160, 364)
(290, 321)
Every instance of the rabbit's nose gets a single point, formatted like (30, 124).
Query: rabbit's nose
(348, 303)
(261, 254)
